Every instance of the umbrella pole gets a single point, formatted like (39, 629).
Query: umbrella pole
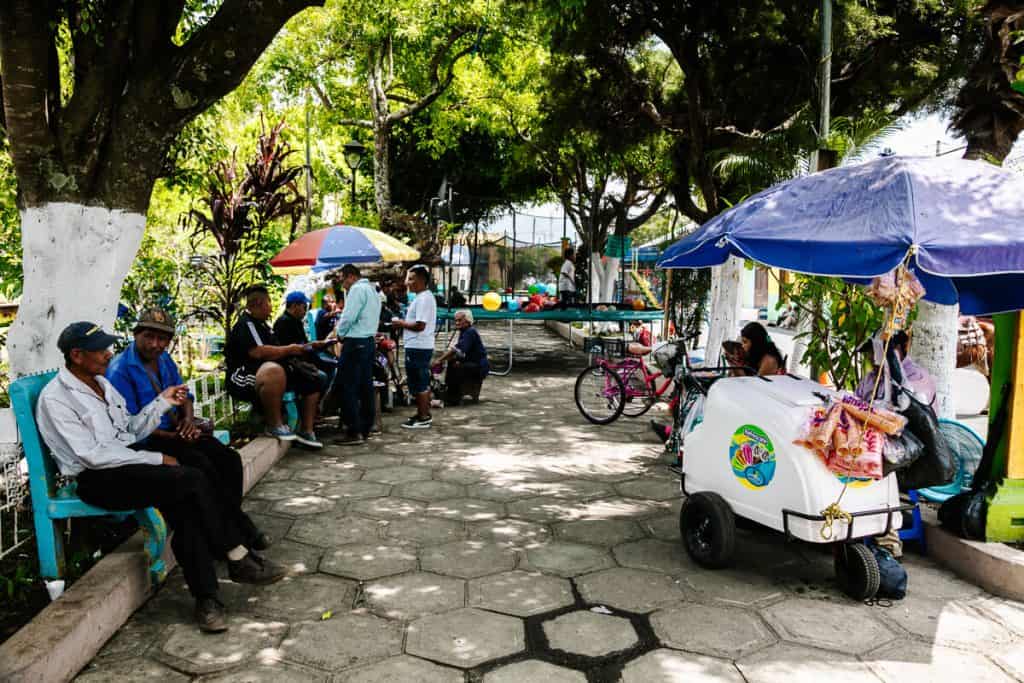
(1005, 519)
(665, 297)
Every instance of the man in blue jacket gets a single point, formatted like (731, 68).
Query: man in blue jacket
(357, 329)
(140, 373)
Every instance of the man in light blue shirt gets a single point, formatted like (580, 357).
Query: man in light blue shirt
(357, 328)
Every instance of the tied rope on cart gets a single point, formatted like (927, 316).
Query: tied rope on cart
(849, 434)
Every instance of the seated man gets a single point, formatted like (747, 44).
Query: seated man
(86, 424)
(258, 370)
(289, 328)
(467, 361)
(144, 370)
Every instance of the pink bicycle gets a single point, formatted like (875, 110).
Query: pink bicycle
(623, 386)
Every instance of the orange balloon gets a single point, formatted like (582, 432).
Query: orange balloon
(638, 304)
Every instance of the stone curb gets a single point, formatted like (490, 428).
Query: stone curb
(68, 633)
(996, 567)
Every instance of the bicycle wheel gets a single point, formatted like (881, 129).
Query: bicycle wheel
(639, 394)
(599, 394)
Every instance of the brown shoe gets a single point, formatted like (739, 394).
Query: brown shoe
(210, 616)
(351, 440)
(255, 570)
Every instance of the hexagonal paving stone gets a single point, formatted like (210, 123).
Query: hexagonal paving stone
(129, 669)
(1007, 613)
(468, 559)
(460, 475)
(247, 640)
(788, 663)
(903, 661)
(426, 531)
(590, 634)
(731, 587)
(366, 561)
(658, 556)
(409, 596)
(602, 532)
(567, 559)
(275, 526)
(400, 670)
(301, 598)
(533, 670)
(328, 531)
(279, 490)
(571, 489)
(397, 475)
(934, 581)
(344, 641)
(276, 672)
(948, 623)
(465, 638)
(500, 493)
(303, 505)
(514, 533)
(633, 590)
(429, 491)
(650, 488)
(466, 509)
(387, 508)
(330, 474)
(711, 630)
(817, 623)
(373, 460)
(520, 593)
(546, 509)
(670, 666)
(666, 528)
(132, 640)
(354, 490)
(299, 558)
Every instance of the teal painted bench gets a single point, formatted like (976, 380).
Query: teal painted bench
(289, 411)
(51, 503)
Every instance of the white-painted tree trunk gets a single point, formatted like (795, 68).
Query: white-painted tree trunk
(611, 272)
(75, 260)
(934, 349)
(803, 328)
(724, 314)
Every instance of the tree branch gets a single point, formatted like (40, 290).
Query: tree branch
(439, 85)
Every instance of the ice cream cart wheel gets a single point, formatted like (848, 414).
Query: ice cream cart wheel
(708, 528)
(856, 570)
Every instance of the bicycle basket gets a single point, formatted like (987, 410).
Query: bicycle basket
(604, 346)
(666, 356)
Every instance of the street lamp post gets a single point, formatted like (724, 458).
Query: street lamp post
(355, 152)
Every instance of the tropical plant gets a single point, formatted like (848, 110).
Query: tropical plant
(243, 205)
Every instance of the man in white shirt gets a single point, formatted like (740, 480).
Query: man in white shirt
(85, 422)
(567, 281)
(419, 326)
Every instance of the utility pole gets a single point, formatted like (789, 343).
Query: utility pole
(309, 172)
(826, 158)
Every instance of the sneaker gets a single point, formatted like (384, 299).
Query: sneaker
(351, 440)
(660, 430)
(210, 616)
(255, 570)
(417, 422)
(261, 542)
(281, 433)
(309, 440)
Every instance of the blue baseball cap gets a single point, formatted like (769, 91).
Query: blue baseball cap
(86, 336)
(296, 297)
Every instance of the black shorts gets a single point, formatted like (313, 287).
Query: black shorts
(242, 386)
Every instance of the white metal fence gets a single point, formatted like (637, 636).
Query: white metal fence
(210, 400)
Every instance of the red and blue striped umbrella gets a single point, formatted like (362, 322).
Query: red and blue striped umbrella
(333, 247)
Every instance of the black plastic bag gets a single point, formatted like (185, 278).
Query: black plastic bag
(937, 466)
(892, 575)
(900, 452)
(966, 514)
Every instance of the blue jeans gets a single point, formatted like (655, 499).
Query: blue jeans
(356, 378)
(417, 369)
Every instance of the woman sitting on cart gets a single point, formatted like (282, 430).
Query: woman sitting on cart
(467, 361)
(758, 352)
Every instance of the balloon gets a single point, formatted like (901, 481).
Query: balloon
(531, 308)
(508, 290)
(513, 305)
(638, 304)
(537, 299)
(486, 287)
(410, 297)
(492, 301)
(552, 290)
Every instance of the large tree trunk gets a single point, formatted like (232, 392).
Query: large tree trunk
(382, 172)
(724, 313)
(75, 260)
(934, 349)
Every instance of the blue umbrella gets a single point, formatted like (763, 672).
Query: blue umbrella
(961, 222)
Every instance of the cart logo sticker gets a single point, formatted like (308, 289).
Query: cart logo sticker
(752, 457)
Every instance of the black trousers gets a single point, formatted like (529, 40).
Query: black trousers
(204, 525)
(460, 379)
